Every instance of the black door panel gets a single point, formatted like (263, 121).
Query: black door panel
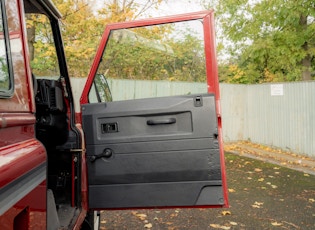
(153, 152)
(155, 167)
(156, 195)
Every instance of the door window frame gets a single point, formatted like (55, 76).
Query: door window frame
(7, 92)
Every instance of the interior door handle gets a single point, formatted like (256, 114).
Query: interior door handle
(107, 153)
(162, 121)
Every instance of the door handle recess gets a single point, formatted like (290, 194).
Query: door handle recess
(162, 121)
(110, 127)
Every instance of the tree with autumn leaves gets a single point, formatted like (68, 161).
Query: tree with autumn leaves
(266, 40)
(259, 41)
(82, 27)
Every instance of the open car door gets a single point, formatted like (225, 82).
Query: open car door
(162, 151)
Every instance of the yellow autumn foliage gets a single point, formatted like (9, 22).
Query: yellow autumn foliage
(82, 28)
(235, 74)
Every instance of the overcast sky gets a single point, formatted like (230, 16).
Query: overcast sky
(167, 8)
(176, 7)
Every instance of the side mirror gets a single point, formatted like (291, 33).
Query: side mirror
(100, 91)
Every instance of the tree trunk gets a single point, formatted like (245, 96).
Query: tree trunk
(306, 65)
(306, 61)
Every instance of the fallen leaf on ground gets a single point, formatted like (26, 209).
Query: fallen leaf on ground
(149, 225)
(225, 213)
(173, 215)
(233, 223)
(311, 200)
(171, 228)
(257, 204)
(276, 224)
(141, 216)
(257, 170)
(307, 175)
(219, 226)
(231, 190)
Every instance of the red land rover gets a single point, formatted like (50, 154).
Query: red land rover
(59, 167)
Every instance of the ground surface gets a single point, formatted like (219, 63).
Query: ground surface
(272, 155)
(262, 196)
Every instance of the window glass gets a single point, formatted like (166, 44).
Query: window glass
(162, 58)
(100, 91)
(6, 78)
(42, 51)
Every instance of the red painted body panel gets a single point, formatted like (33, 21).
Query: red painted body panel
(213, 87)
(16, 119)
(23, 154)
(20, 158)
(16, 134)
(20, 152)
(34, 204)
(21, 100)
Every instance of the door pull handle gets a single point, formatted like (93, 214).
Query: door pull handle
(162, 121)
